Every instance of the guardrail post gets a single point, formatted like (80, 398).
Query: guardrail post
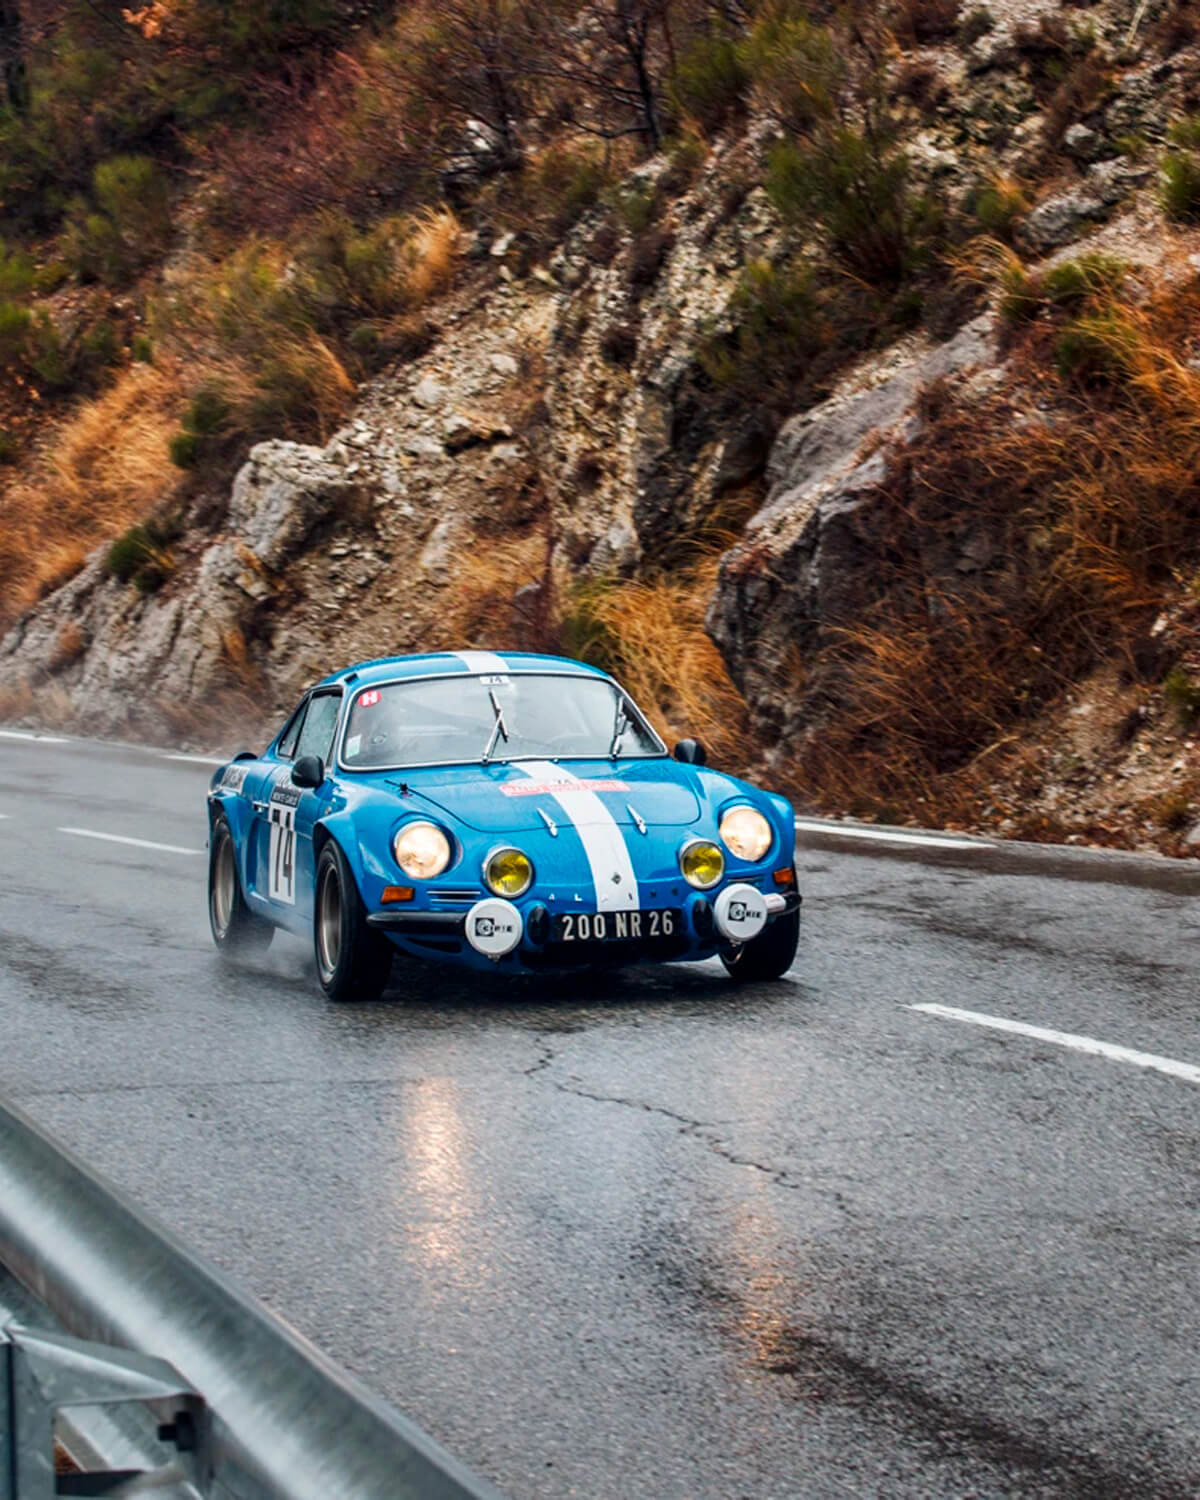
(46, 1372)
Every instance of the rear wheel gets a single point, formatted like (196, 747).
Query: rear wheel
(236, 930)
(769, 955)
(353, 963)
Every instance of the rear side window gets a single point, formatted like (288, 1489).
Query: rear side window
(316, 737)
(287, 740)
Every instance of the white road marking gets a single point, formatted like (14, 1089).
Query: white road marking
(1086, 1044)
(887, 836)
(119, 838)
(200, 760)
(27, 734)
(482, 661)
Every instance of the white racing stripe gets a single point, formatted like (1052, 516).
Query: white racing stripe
(482, 661)
(886, 836)
(599, 833)
(119, 838)
(25, 734)
(1088, 1044)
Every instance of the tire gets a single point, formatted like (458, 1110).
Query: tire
(769, 955)
(353, 963)
(237, 931)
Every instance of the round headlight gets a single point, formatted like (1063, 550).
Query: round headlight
(422, 850)
(746, 833)
(508, 872)
(702, 864)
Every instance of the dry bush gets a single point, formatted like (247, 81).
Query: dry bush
(477, 608)
(918, 21)
(1087, 504)
(651, 636)
(431, 255)
(104, 468)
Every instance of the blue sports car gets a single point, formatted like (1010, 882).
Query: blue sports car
(514, 812)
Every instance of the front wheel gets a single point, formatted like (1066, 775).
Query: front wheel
(236, 930)
(353, 963)
(769, 955)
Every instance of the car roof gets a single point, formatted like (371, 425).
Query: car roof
(442, 663)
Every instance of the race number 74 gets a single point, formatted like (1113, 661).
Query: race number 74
(282, 854)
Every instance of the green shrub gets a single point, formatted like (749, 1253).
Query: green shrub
(637, 206)
(1093, 277)
(125, 227)
(778, 328)
(975, 24)
(140, 556)
(856, 187)
(710, 82)
(996, 206)
(1185, 132)
(1096, 348)
(10, 448)
(141, 349)
(1180, 188)
(184, 449)
(16, 274)
(15, 325)
(1182, 692)
(796, 67)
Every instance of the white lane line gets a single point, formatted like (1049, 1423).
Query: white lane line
(887, 836)
(118, 838)
(26, 734)
(1086, 1044)
(200, 760)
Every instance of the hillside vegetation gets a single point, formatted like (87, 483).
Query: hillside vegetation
(223, 225)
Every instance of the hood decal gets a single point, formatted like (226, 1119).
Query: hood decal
(598, 831)
(557, 788)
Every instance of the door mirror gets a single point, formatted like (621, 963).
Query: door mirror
(691, 753)
(309, 771)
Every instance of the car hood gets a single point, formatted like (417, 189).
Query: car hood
(511, 797)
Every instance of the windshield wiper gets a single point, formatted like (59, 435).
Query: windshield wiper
(498, 728)
(620, 725)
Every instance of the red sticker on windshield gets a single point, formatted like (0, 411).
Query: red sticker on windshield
(369, 699)
(555, 788)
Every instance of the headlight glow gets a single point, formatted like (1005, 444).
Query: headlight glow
(422, 850)
(508, 872)
(702, 864)
(746, 833)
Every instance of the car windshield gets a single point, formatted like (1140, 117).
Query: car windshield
(492, 717)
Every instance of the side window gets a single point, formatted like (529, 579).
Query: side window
(316, 737)
(287, 740)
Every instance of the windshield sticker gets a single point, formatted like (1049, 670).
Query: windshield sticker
(557, 788)
(232, 778)
(353, 745)
(370, 698)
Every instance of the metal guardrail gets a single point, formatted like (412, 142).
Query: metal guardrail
(252, 1411)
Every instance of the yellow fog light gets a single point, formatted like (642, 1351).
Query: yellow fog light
(422, 850)
(746, 833)
(508, 872)
(702, 864)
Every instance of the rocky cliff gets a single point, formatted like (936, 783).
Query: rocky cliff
(570, 429)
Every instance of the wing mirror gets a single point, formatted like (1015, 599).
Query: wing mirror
(309, 771)
(691, 753)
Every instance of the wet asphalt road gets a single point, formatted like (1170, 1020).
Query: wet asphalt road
(650, 1235)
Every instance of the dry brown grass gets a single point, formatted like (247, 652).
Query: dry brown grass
(432, 255)
(476, 609)
(651, 635)
(1084, 487)
(104, 468)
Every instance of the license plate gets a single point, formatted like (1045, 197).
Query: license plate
(617, 926)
